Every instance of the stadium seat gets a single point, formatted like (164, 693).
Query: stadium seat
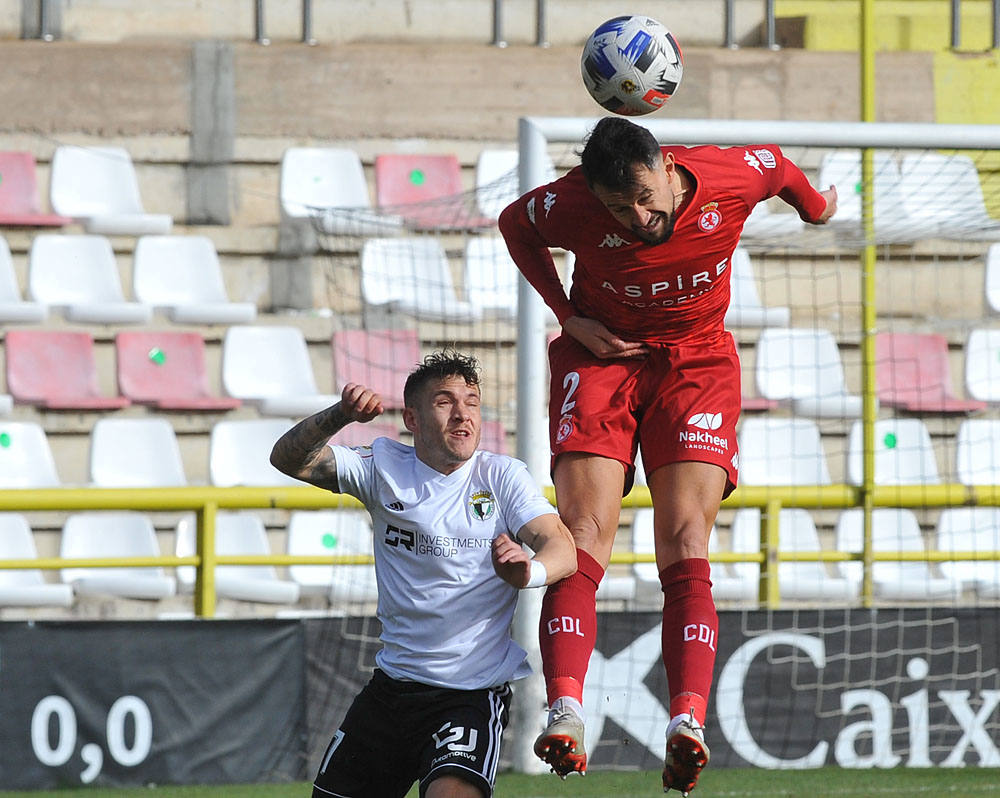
(803, 581)
(166, 370)
(364, 434)
(913, 373)
(26, 588)
(992, 274)
(497, 180)
(803, 365)
(781, 451)
(328, 186)
(98, 186)
(333, 533)
(493, 437)
(56, 370)
(893, 529)
(764, 225)
(135, 453)
(13, 308)
(977, 452)
(181, 275)
(378, 359)
(239, 452)
(971, 529)
(235, 533)
(842, 168)
(114, 534)
(26, 459)
(269, 367)
(426, 190)
(412, 275)
(490, 277)
(725, 586)
(19, 205)
(79, 274)
(904, 454)
(944, 195)
(745, 307)
(982, 365)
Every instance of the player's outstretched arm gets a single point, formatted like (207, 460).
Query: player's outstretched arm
(554, 548)
(302, 451)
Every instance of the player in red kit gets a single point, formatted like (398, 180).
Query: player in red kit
(643, 361)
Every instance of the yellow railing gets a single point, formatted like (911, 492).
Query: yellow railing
(206, 501)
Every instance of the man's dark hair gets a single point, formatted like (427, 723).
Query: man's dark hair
(614, 148)
(439, 366)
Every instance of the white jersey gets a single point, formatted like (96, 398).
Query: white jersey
(445, 613)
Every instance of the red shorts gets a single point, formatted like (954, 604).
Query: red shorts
(679, 403)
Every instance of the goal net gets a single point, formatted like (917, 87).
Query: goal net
(856, 568)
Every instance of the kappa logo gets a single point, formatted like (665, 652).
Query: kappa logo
(530, 208)
(613, 240)
(767, 158)
(482, 504)
(548, 202)
(752, 161)
(705, 420)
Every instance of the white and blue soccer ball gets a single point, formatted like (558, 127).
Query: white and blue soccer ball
(631, 65)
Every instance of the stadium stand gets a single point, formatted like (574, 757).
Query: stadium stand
(913, 373)
(992, 274)
(426, 190)
(98, 187)
(166, 370)
(14, 309)
(236, 533)
(56, 370)
(411, 275)
(364, 434)
(803, 581)
(19, 196)
(269, 367)
(767, 226)
(977, 451)
(904, 454)
(181, 275)
(982, 365)
(803, 366)
(114, 534)
(944, 195)
(135, 453)
(79, 274)
(333, 533)
(497, 181)
(378, 359)
(893, 529)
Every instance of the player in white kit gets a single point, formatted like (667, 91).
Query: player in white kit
(448, 523)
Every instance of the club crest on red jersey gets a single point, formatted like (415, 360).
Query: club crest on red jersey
(710, 217)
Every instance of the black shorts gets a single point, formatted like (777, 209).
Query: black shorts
(398, 732)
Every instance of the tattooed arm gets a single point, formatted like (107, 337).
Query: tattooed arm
(302, 451)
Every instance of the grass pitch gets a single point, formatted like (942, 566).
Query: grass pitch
(721, 783)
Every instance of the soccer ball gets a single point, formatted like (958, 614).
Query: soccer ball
(631, 65)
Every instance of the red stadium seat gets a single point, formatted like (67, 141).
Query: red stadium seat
(19, 205)
(913, 374)
(364, 434)
(166, 370)
(55, 370)
(432, 184)
(494, 437)
(378, 359)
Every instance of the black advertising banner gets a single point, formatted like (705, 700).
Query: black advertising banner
(916, 687)
(138, 702)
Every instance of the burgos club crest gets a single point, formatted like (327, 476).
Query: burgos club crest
(482, 504)
(710, 217)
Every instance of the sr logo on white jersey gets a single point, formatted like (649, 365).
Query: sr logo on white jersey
(705, 420)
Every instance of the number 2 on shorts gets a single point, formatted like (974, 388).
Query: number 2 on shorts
(571, 382)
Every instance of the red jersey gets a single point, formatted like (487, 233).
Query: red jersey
(673, 292)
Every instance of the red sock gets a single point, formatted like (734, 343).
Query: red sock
(690, 633)
(568, 629)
